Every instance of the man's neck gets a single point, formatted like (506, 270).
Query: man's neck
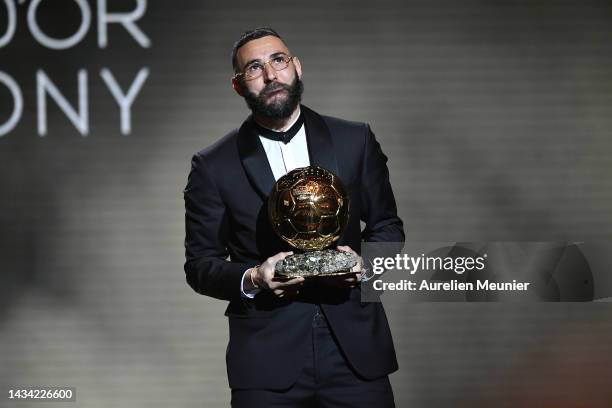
(277, 124)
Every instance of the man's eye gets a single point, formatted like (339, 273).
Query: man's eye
(278, 60)
(254, 68)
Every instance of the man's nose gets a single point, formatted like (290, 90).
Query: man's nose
(269, 72)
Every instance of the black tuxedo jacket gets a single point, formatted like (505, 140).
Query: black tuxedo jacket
(226, 215)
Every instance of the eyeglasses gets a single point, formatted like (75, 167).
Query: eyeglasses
(256, 69)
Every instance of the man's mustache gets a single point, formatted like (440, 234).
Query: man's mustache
(273, 87)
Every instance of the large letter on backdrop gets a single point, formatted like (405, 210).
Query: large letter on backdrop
(17, 101)
(44, 85)
(125, 19)
(125, 101)
(11, 15)
(54, 43)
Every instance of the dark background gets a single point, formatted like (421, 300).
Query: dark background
(496, 117)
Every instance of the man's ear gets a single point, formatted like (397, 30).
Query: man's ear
(298, 66)
(237, 87)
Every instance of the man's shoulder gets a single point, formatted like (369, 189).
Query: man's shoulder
(347, 132)
(222, 149)
(334, 122)
(340, 127)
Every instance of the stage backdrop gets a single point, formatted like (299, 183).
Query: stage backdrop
(495, 116)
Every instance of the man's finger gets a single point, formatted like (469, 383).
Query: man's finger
(346, 248)
(275, 284)
(279, 256)
(293, 281)
(358, 267)
(286, 254)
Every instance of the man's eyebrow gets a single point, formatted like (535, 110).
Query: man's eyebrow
(276, 54)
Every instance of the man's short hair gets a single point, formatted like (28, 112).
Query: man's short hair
(250, 36)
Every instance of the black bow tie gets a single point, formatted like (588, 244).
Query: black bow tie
(284, 137)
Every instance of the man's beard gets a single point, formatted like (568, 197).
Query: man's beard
(278, 108)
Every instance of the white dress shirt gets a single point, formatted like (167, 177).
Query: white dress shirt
(282, 158)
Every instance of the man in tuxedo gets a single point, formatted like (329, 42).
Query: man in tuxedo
(299, 342)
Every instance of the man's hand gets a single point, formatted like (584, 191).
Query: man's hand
(263, 277)
(349, 280)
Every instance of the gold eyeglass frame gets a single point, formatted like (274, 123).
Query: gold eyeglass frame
(243, 74)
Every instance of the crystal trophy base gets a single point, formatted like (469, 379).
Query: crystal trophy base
(327, 262)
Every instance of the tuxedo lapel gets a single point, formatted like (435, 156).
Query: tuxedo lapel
(254, 159)
(320, 147)
(320, 151)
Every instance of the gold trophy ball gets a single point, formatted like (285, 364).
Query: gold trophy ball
(309, 208)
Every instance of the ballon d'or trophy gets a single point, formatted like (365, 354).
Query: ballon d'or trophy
(309, 208)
